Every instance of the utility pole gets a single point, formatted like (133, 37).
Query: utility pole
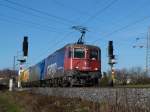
(14, 63)
(148, 53)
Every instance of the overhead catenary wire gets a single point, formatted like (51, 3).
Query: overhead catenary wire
(120, 19)
(40, 12)
(77, 10)
(116, 23)
(54, 44)
(34, 15)
(17, 21)
(31, 14)
(39, 28)
(124, 27)
(125, 42)
(100, 11)
(111, 32)
(106, 34)
(69, 7)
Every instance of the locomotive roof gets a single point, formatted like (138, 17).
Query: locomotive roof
(81, 45)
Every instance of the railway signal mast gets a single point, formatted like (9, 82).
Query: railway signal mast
(83, 31)
(111, 61)
(23, 60)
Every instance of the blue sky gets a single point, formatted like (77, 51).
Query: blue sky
(119, 20)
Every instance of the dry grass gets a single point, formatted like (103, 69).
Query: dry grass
(38, 103)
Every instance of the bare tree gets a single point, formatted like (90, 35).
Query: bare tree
(134, 75)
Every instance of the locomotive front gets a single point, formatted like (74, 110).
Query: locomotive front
(83, 62)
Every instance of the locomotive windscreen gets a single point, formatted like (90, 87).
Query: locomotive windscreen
(79, 53)
(94, 54)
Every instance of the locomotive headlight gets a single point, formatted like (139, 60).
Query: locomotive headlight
(77, 67)
(95, 68)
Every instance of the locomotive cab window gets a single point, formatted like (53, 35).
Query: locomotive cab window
(79, 53)
(94, 54)
(70, 54)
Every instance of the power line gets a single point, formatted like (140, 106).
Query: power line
(35, 10)
(100, 11)
(17, 22)
(36, 24)
(40, 11)
(116, 23)
(54, 44)
(69, 7)
(115, 31)
(74, 9)
(133, 12)
(28, 13)
(126, 26)
(124, 17)
(129, 14)
(39, 26)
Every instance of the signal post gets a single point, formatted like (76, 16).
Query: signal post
(111, 62)
(23, 60)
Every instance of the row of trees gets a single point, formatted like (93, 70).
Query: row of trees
(7, 73)
(135, 75)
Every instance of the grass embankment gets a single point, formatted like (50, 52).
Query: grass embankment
(8, 104)
(27, 102)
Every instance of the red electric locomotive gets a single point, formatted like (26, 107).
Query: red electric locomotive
(74, 64)
(83, 63)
